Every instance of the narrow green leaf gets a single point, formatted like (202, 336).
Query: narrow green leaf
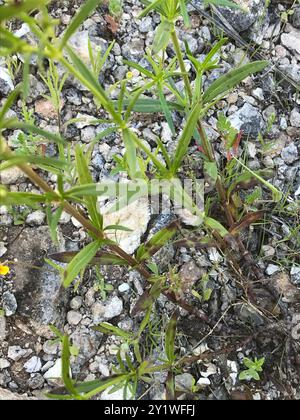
(14, 124)
(53, 219)
(162, 36)
(151, 106)
(101, 258)
(230, 80)
(66, 368)
(110, 329)
(211, 169)
(170, 338)
(14, 10)
(186, 137)
(224, 3)
(80, 261)
(130, 155)
(85, 177)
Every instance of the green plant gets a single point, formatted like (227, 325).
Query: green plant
(115, 7)
(254, 367)
(100, 285)
(166, 170)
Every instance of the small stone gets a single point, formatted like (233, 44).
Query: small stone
(296, 18)
(3, 249)
(272, 269)
(291, 40)
(9, 303)
(146, 25)
(45, 108)
(190, 273)
(6, 83)
(33, 365)
(214, 256)
(135, 216)
(166, 133)
(36, 218)
(285, 288)
(4, 364)
(184, 382)
(203, 382)
(88, 134)
(55, 372)
(290, 153)
(2, 328)
(76, 303)
(74, 317)
(16, 353)
(248, 314)
(295, 275)
(50, 347)
(268, 250)
(10, 176)
(108, 395)
(36, 381)
(85, 120)
(258, 93)
(295, 118)
(124, 288)
(249, 119)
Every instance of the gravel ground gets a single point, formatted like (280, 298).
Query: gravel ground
(31, 296)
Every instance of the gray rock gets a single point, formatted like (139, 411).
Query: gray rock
(76, 303)
(184, 382)
(88, 343)
(3, 249)
(292, 70)
(74, 317)
(10, 176)
(73, 96)
(272, 269)
(6, 83)
(2, 328)
(33, 365)
(16, 353)
(55, 372)
(50, 347)
(4, 363)
(146, 25)
(88, 134)
(36, 88)
(249, 315)
(295, 275)
(295, 118)
(290, 153)
(296, 18)
(6, 395)
(135, 49)
(39, 292)
(291, 40)
(9, 303)
(107, 310)
(36, 218)
(124, 287)
(242, 20)
(249, 119)
(36, 381)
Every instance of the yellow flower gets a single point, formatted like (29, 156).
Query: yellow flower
(4, 270)
(129, 75)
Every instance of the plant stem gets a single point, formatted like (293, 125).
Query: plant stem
(205, 142)
(182, 65)
(132, 262)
